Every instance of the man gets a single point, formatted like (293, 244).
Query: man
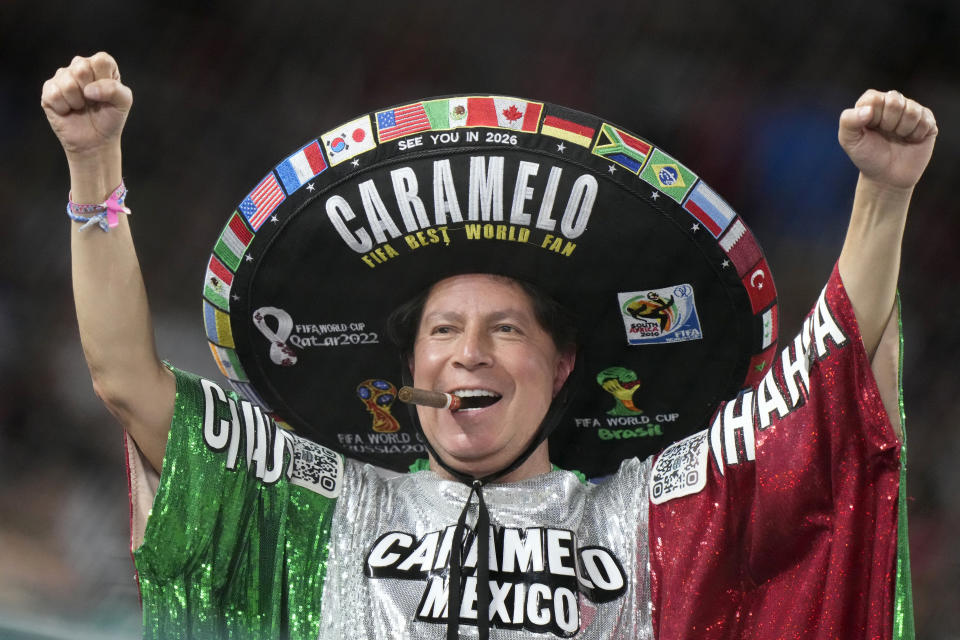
(782, 522)
(478, 336)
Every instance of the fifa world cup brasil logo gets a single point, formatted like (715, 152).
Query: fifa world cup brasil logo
(621, 383)
(377, 396)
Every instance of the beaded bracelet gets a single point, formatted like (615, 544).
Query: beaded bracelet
(105, 214)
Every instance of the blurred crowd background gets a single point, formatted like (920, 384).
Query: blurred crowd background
(746, 93)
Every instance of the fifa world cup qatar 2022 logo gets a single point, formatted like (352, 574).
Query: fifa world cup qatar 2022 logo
(378, 396)
(280, 351)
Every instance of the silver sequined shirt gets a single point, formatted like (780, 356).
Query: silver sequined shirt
(567, 559)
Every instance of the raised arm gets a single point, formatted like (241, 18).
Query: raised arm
(87, 106)
(890, 139)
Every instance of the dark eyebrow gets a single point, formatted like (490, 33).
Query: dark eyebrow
(450, 313)
(494, 316)
(510, 314)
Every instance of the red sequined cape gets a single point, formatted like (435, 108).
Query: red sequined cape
(794, 531)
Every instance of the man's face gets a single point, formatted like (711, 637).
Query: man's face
(479, 339)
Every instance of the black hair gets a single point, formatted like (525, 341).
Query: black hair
(559, 323)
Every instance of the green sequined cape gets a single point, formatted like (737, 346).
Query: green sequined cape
(231, 553)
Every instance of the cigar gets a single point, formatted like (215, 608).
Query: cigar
(436, 399)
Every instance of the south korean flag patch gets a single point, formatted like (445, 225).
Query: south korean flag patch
(681, 469)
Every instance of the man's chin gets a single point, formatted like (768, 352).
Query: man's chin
(473, 460)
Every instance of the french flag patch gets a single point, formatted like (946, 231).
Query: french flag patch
(302, 167)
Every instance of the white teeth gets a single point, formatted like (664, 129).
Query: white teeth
(472, 393)
(476, 399)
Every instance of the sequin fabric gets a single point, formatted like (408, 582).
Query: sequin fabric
(780, 520)
(584, 548)
(795, 533)
(230, 550)
(236, 548)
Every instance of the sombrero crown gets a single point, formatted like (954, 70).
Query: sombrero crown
(675, 304)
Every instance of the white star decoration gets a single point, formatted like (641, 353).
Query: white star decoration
(355, 162)
(248, 258)
(310, 187)
(560, 147)
(725, 264)
(654, 195)
(235, 297)
(695, 227)
(274, 219)
(611, 169)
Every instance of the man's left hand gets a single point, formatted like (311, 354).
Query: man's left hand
(888, 137)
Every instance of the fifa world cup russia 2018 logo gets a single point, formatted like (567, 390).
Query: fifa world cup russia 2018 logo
(377, 396)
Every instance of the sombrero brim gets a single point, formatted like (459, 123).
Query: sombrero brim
(675, 303)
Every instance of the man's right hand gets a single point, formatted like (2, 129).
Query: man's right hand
(87, 106)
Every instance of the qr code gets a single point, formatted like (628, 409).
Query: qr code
(680, 470)
(316, 468)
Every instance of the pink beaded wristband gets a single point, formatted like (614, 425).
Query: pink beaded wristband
(105, 214)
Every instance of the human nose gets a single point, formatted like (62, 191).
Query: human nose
(474, 350)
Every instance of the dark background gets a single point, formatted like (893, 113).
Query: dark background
(746, 94)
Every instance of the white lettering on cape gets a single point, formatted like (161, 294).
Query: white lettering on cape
(782, 390)
(308, 464)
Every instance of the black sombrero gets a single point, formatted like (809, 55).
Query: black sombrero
(675, 302)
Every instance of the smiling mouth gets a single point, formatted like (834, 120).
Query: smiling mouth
(473, 399)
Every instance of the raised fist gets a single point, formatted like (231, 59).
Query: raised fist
(888, 137)
(87, 105)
